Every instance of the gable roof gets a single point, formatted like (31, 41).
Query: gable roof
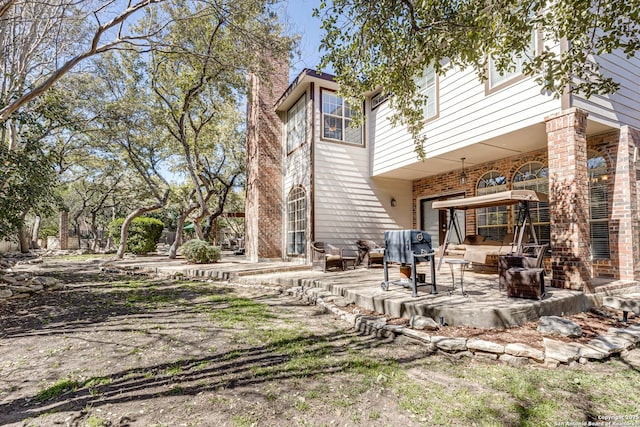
(298, 86)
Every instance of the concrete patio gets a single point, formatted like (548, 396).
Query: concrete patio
(482, 306)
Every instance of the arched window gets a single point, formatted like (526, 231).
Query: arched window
(492, 222)
(535, 176)
(296, 221)
(598, 205)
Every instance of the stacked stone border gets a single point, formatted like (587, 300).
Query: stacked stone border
(617, 342)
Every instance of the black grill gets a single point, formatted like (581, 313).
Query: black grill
(408, 247)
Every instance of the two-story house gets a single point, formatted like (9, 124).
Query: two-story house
(340, 184)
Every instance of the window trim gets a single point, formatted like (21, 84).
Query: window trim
(505, 226)
(592, 154)
(338, 141)
(303, 98)
(488, 89)
(436, 90)
(300, 216)
(383, 98)
(515, 186)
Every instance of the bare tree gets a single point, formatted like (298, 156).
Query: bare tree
(41, 41)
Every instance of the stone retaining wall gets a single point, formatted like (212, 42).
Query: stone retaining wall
(617, 341)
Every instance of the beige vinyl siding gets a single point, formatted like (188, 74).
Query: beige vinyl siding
(349, 205)
(297, 165)
(622, 107)
(467, 116)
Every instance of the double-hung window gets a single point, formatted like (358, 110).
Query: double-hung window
(427, 87)
(598, 205)
(297, 124)
(535, 176)
(516, 67)
(492, 222)
(337, 116)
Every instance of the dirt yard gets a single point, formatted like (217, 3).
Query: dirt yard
(110, 350)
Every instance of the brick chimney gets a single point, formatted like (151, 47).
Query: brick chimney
(264, 204)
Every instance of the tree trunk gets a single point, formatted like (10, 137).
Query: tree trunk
(124, 232)
(198, 229)
(23, 240)
(173, 251)
(94, 230)
(35, 232)
(76, 227)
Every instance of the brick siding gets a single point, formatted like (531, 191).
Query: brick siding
(569, 199)
(264, 205)
(570, 232)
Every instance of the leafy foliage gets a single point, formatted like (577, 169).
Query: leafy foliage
(200, 252)
(385, 44)
(45, 232)
(144, 234)
(27, 181)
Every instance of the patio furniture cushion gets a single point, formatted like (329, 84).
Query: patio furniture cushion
(326, 256)
(366, 255)
(525, 282)
(486, 253)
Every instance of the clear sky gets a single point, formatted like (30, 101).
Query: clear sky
(298, 16)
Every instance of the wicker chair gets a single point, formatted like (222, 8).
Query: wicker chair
(531, 260)
(326, 256)
(366, 256)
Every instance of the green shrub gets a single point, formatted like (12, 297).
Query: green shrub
(200, 252)
(144, 234)
(45, 232)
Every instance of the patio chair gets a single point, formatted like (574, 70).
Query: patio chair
(326, 256)
(367, 256)
(531, 260)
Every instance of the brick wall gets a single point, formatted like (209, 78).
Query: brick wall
(618, 149)
(264, 204)
(569, 199)
(449, 183)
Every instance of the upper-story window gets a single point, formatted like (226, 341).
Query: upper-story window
(535, 176)
(427, 86)
(515, 70)
(378, 99)
(297, 124)
(492, 222)
(598, 205)
(336, 119)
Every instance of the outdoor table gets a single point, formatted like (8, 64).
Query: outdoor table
(463, 264)
(349, 260)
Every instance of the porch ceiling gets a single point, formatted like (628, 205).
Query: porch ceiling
(507, 145)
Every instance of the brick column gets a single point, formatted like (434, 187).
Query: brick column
(63, 230)
(624, 209)
(569, 199)
(264, 205)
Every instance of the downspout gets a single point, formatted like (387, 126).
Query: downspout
(566, 97)
(312, 167)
